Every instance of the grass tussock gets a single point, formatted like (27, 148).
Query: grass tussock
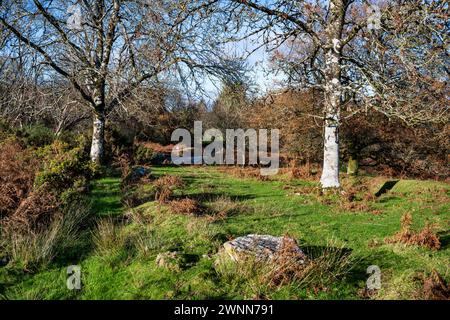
(148, 241)
(260, 279)
(413, 285)
(318, 271)
(245, 173)
(164, 187)
(114, 240)
(36, 247)
(186, 206)
(224, 207)
(424, 238)
(108, 237)
(217, 210)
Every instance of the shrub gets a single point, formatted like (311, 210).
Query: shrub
(39, 191)
(40, 198)
(34, 213)
(119, 141)
(17, 172)
(37, 135)
(143, 155)
(5, 130)
(63, 166)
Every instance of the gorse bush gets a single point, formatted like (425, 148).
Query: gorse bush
(37, 135)
(35, 189)
(143, 154)
(42, 198)
(64, 165)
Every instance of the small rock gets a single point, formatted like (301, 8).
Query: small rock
(263, 247)
(169, 260)
(176, 261)
(137, 173)
(3, 261)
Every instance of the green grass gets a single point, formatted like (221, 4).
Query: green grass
(105, 196)
(126, 271)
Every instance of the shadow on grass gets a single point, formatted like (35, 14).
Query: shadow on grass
(444, 238)
(106, 197)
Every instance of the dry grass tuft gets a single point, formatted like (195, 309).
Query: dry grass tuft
(289, 263)
(261, 278)
(165, 186)
(186, 206)
(425, 238)
(40, 247)
(245, 173)
(107, 237)
(317, 272)
(223, 207)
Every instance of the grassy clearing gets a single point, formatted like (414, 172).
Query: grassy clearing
(120, 262)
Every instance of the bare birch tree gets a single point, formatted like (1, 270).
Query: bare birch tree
(106, 49)
(387, 55)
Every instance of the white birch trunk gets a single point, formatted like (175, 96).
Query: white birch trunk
(332, 101)
(98, 138)
(330, 171)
